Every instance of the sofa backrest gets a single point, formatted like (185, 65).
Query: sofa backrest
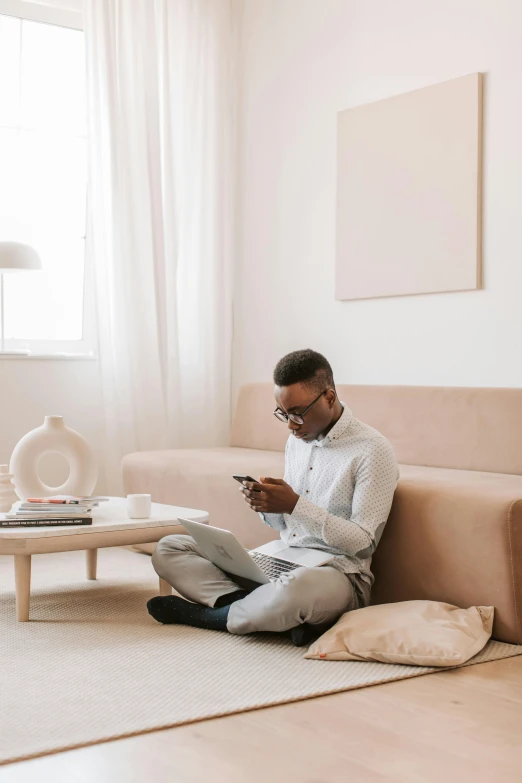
(466, 428)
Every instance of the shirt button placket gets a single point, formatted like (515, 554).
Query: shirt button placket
(310, 468)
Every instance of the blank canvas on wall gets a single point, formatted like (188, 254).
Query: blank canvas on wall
(409, 193)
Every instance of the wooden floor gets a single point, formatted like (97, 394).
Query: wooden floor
(458, 726)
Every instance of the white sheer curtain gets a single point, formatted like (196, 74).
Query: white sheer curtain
(161, 96)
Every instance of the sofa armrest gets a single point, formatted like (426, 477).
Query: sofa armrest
(455, 536)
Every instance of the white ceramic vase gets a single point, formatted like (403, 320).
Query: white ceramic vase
(53, 436)
(8, 495)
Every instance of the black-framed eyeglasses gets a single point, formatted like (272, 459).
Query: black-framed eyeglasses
(297, 418)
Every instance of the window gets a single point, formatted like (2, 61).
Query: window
(43, 180)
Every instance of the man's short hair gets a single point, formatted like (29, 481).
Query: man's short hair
(307, 367)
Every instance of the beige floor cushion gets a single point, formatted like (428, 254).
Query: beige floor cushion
(422, 633)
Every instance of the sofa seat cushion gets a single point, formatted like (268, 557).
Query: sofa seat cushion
(455, 536)
(202, 478)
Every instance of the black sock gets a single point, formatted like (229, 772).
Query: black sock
(169, 609)
(305, 634)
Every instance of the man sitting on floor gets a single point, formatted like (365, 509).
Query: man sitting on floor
(340, 477)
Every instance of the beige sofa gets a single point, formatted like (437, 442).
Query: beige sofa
(455, 529)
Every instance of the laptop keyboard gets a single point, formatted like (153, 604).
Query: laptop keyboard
(271, 566)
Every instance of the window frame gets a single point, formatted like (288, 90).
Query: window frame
(47, 14)
(73, 19)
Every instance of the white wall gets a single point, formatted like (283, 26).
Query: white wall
(34, 388)
(302, 62)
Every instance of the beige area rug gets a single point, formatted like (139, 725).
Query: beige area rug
(91, 665)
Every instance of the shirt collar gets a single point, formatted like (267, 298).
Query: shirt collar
(339, 428)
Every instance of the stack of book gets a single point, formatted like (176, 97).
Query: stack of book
(54, 510)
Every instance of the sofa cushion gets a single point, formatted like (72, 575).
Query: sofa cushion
(455, 536)
(469, 429)
(202, 478)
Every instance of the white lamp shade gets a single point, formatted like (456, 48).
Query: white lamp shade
(17, 257)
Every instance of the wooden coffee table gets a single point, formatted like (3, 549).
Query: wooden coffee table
(110, 527)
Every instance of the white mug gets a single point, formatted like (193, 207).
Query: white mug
(138, 506)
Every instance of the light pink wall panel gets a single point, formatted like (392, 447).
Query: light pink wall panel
(409, 193)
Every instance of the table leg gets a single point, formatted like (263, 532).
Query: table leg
(22, 586)
(91, 562)
(164, 587)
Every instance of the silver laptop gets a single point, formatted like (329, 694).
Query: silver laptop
(263, 564)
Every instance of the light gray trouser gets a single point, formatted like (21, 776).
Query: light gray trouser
(305, 595)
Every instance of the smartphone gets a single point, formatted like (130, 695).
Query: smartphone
(241, 479)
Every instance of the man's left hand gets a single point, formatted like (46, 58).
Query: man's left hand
(270, 496)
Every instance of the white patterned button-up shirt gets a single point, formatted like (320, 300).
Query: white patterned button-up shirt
(345, 484)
